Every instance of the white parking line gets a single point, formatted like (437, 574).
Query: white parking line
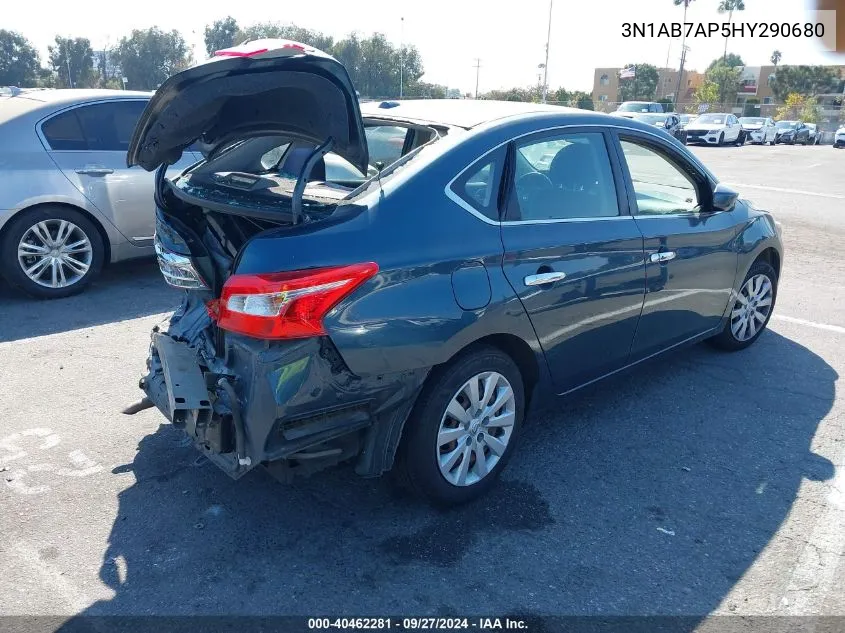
(834, 196)
(819, 326)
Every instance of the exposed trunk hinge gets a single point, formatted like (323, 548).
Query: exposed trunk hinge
(299, 189)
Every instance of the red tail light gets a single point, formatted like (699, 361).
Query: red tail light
(286, 305)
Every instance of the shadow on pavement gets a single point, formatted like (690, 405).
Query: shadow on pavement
(124, 291)
(652, 493)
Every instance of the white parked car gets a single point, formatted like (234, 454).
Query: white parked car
(839, 138)
(715, 129)
(815, 133)
(760, 130)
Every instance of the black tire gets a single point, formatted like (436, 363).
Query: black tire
(10, 265)
(740, 140)
(725, 339)
(721, 140)
(417, 460)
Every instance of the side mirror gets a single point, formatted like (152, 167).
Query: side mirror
(724, 198)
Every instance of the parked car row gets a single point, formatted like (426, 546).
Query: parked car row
(721, 128)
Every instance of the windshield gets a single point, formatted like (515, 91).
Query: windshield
(686, 118)
(787, 125)
(653, 119)
(752, 120)
(634, 106)
(715, 119)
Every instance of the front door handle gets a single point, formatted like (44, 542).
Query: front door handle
(541, 279)
(94, 171)
(662, 257)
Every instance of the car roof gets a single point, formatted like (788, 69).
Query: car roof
(465, 113)
(74, 95)
(39, 103)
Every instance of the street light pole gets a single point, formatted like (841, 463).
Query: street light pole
(401, 55)
(477, 68)
(546, 64)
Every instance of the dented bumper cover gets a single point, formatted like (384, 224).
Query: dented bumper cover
(245, 401)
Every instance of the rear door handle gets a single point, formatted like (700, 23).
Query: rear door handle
(544, 278)
(662, 257)
(94, 171)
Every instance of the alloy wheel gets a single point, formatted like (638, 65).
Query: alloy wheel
(752, 308)
(476, 428)
(55, 253)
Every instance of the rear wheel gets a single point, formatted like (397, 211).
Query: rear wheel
(51, 252)
(751, 310)
(463, 428)
(740, 140)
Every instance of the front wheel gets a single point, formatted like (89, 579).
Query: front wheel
(721, 139)
(463, 428)
(51, 252)
(751, 310)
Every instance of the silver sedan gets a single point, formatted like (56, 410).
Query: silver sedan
(68, 202)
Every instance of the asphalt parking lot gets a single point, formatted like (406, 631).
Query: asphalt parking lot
(702, 483)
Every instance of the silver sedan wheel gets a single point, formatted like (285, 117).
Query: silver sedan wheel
(476, 428)
(752, 308)
(55, 253)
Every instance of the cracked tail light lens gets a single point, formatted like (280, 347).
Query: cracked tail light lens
(286, 305)
(178, 270)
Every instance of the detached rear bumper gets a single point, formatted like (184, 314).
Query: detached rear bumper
(260, 401)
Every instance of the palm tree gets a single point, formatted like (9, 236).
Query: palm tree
(728, 6)
(775, 58)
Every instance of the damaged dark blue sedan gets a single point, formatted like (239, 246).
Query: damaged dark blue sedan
(396, 283)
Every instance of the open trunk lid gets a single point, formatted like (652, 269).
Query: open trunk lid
(268, 86)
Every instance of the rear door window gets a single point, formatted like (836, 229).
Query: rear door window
(109, 126)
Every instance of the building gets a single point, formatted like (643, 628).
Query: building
(606, 86)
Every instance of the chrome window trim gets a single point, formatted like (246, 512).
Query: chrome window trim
(42, 121)
(454, 197)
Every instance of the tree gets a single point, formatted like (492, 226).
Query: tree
(792, 107)
(425, 90)
(148, 57)
(731, 60)
(642, 85)
(73, 62)
(286, 32)
(583, 100)
(373, 64)
(775, 58)
(19, 63)
(727, 78)
(811, 112)
(668, 104)
(221, 34)
(804, 80)
(752, 107)
(707, 93)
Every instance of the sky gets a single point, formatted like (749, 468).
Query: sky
(508, 37)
